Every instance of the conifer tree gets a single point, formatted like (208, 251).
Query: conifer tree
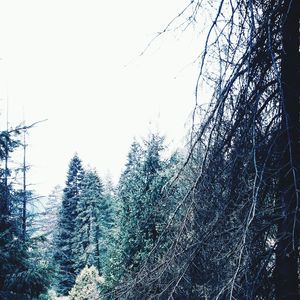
(49, 217)
(23, 272)
(66, 229)
(129, 192)
(93, 222)
(143, 210)
(7, 228)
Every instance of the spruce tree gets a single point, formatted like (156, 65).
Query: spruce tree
(93, 222)
(143, 209)
(66, 229)
(129, 192)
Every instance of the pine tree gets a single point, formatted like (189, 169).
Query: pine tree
(154, 171)
(143, 209)
(93, 222)
(128, 194)
(24, 274)
(66, 229)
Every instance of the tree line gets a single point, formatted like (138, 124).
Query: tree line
(89, 234)
(110, 232)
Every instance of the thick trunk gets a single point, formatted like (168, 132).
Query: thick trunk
(286, 271)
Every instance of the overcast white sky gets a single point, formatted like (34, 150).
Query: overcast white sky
(76, 63)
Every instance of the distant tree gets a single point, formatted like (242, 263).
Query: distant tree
(151, 208)
(66, 227)
(127, 195)
(93, 222)
(7, 145)
(143, 209)
(49, 217)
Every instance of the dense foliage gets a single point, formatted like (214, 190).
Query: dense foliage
(93, 221)
(24, 270)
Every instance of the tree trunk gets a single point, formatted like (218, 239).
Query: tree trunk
(24, 208)
(286, 271)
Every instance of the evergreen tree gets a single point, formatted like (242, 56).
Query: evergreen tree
(93, 222)
(7, 227)
(144, 211)
(49, 218)
(128, 191)
(66, 228)
(24, 273)
(154, 174)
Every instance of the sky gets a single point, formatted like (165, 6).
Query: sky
(78, 65)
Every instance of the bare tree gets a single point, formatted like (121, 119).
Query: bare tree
(238, 235)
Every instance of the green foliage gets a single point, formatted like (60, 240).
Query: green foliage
(66, 229)
(93, 221)
(7, 143)
(24, 272)
(87, 285)
(144, 210)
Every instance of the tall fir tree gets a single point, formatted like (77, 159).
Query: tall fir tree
(129, 192)
(143, 208)
(93, 221)
(66, 228)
